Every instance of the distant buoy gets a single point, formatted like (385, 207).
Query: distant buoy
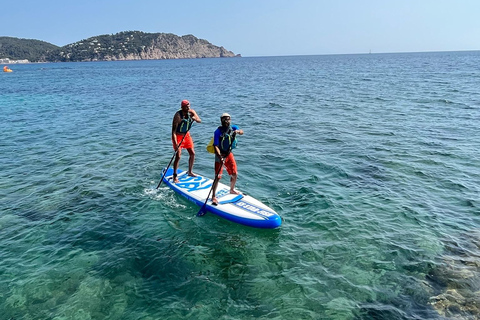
(7, 69)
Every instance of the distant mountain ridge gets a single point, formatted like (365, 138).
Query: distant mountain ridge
(127, 45)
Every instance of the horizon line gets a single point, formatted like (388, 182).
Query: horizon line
(359, 53)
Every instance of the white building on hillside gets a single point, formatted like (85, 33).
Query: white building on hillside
(8, 61)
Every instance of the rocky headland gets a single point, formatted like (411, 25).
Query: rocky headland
(128, 45)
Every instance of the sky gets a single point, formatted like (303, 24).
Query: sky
(259, 27)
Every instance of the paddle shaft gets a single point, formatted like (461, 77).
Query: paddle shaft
(178, 148)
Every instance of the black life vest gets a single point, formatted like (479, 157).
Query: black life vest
(185, 124)
(227, 139)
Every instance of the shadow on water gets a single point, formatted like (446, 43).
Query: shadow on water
(171, 262)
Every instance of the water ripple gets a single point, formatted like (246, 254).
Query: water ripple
(371, 161)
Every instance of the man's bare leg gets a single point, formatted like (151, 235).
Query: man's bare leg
(191, 161)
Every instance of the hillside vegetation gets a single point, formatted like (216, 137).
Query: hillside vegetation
(19, 49)
(128, 45)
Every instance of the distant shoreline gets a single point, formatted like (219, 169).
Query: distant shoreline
(8, 61)
(25, 61)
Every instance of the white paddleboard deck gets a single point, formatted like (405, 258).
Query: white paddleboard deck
(242, 209)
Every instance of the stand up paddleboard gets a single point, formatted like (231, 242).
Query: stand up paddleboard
(240, 208)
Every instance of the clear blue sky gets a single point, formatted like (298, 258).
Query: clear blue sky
(259, 27)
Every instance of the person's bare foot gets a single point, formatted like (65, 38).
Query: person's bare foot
(214, 201)
(191, 174)
(235, 192)
(175, 179)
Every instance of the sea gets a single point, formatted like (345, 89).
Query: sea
(371, 160)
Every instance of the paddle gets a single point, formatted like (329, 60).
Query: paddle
(176, 150)
(202, 209)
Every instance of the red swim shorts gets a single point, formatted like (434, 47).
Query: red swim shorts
(187, 142)
(229, 163)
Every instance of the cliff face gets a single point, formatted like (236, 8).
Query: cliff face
(183, 47)
(136, 45)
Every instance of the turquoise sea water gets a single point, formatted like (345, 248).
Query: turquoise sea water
(372, 161)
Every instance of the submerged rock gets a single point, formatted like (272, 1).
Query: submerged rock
(457, 281)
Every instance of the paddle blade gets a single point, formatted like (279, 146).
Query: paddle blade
(163, 174)
(202, 211)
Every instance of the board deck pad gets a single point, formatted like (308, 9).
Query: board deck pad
(239, 208)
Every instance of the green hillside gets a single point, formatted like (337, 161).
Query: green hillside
(19, 49)
(128, 45)
(103, 47)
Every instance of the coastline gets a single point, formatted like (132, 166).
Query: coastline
(8, 61)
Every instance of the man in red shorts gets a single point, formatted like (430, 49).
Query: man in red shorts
(181, 139)
(224, 141)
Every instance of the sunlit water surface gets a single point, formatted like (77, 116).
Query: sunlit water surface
(371, 160)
